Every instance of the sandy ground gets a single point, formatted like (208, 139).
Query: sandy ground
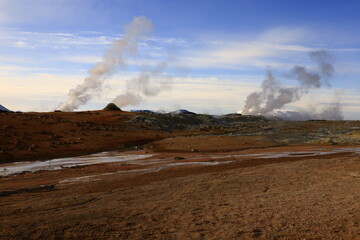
(231, 193)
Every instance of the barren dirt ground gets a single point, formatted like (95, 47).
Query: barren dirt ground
(205, 183)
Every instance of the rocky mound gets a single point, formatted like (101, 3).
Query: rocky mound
(196, 122)
(111, 107)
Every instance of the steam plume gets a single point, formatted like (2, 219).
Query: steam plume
(274, 96)
(112, 58)
(147, 84)
(332, 112)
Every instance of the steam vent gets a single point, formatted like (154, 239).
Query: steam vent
(111, 107)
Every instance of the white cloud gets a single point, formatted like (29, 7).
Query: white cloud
(259, 52)
(20, 44)
(16, 38)
(93, 59)
(275, 48)
(87, 40)
(83, 59)
(284, 35)
(295, 48)
(267, 49)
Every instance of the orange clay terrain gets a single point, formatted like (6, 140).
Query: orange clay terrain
(177, 176)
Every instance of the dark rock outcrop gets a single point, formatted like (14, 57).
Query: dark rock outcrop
(111, 107)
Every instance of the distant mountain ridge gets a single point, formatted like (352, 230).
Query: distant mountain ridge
(4, 109)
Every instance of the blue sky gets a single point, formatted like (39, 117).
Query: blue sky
(217, 51)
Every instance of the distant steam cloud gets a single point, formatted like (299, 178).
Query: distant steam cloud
(147, 84)
(273, 96)
(113, 58)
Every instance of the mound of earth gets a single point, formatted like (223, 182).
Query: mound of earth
(112, 107)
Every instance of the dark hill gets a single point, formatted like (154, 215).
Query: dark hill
(111, 107)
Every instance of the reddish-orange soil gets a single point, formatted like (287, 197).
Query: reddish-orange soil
(34, 136)
(298, 195)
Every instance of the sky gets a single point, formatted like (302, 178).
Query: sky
(217, 52)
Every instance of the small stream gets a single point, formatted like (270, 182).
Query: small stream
(155, 162)
(60, 163)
